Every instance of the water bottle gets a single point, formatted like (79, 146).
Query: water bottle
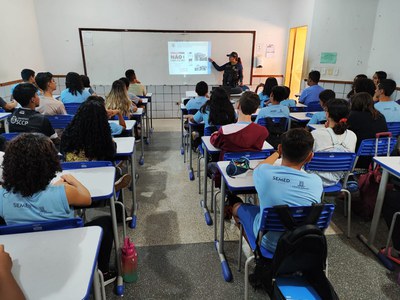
(129, 261)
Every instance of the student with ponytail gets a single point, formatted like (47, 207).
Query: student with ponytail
(335, 137)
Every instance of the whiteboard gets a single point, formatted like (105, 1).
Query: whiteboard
(108, 53)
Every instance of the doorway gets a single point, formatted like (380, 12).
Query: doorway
(295, 59)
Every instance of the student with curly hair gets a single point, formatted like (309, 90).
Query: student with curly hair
(118, 99)
(29, 196)
(75, 92)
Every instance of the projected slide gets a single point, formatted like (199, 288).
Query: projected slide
(189, 58)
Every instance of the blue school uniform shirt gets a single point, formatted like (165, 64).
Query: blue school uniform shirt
(67, 97)
(50, 204)
(311, 94)
(279, 185)
(202, 117)
(390, 109)
(317, 118)
(263, 98)
(196, 103)
(288, 103)
(116, 129)
(273, 111)
(13, 87)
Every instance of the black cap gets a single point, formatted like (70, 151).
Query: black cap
(233, 54)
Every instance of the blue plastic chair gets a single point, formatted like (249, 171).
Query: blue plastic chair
(394, 128)
(335, 162)
(60, 121)
(9, 136)
(72, 108)
(86, 164)
(314, 106)
(380, 146)
(41, 226)
(270, 221)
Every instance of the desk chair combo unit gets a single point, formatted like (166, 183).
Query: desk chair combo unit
(138, 115)
(271, 221)
(72, 108)
(98, 178)
(149, 97)
(241, 184)
(68, 237)
(394, 128)
(60, 121)
(145, 101)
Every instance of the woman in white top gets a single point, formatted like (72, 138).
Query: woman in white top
(335, 137)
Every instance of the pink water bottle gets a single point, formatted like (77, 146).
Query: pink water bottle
(129, 261)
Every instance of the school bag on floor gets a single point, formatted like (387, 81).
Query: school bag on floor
(300, 257)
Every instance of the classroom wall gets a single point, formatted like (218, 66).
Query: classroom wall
(20, 44)
(63, 17)
(345, 27)
(386, 41)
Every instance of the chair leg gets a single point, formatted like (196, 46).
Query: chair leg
(246, 277)
(391, 232)
(348, 212)
(240, 247)
(198, 172)
(212, 194)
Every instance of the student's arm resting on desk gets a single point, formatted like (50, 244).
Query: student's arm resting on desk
(198, 117)
(9, 289)
(216, 138)
(76, 192)
(270, 160)
(8, 105)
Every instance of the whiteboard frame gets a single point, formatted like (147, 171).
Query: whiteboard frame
(252, 32)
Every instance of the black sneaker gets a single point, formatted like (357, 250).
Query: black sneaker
(109, 277)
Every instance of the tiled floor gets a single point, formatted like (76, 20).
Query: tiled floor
(177, 259)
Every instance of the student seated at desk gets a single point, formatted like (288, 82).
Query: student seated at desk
(29, 196)
(135, 87)
(202, 95)
(118, 99)
(86, 84)
(48, 105)
(352, 91)
(335, 137)
(74, 92)
(9, 288)
(270, 82)
(26, 119)
(386, 106)
(365, 121)
(116, 129)
(377, 78)
(311, 94)
(135, 99)
(28, 76)
(244, 135)
(275, 110)
(364, 85)
(285, 184)
(218, 110)
(320, 116)
(288, 102)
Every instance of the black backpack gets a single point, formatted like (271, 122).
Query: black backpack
(301, 251)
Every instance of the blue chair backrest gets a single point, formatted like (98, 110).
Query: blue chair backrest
(314, 106)
(394, 128)
(284, 122)
(85, 164)
(2, 110)
(249, 155)
(116, 118)
(41, 226)
(60, 121)
(384, 147)
(72, 108)
(210, 129)
(297, 108)
(270, 220)
(9, 136)
(331, 162)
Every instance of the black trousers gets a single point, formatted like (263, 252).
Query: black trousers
(391, 205)
(106, 243)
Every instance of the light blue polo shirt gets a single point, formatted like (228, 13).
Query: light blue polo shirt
(288, 103)
(390, 109)
(263, 98)
(279, 185)
(202, 117)
(196, 103)
(273, 111)
(67, 97)
(13, 87)
(50, 204)
(311, 94)
(116, 129)
(317, 118)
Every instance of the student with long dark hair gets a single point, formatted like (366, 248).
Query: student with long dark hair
(335, 137)
(352, 92)
(218, 110)
(365, 121)
(270, 82)
(74, 92)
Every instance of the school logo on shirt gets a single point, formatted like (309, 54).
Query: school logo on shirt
(300, 186)
(281, 179)
(19, 121)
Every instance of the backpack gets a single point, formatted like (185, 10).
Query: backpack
(336, 146)
(301, 253)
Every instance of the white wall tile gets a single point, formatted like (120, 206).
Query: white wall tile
(175, 89)
(159, 89)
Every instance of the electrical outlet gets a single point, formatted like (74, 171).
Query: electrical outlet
(335, 71)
